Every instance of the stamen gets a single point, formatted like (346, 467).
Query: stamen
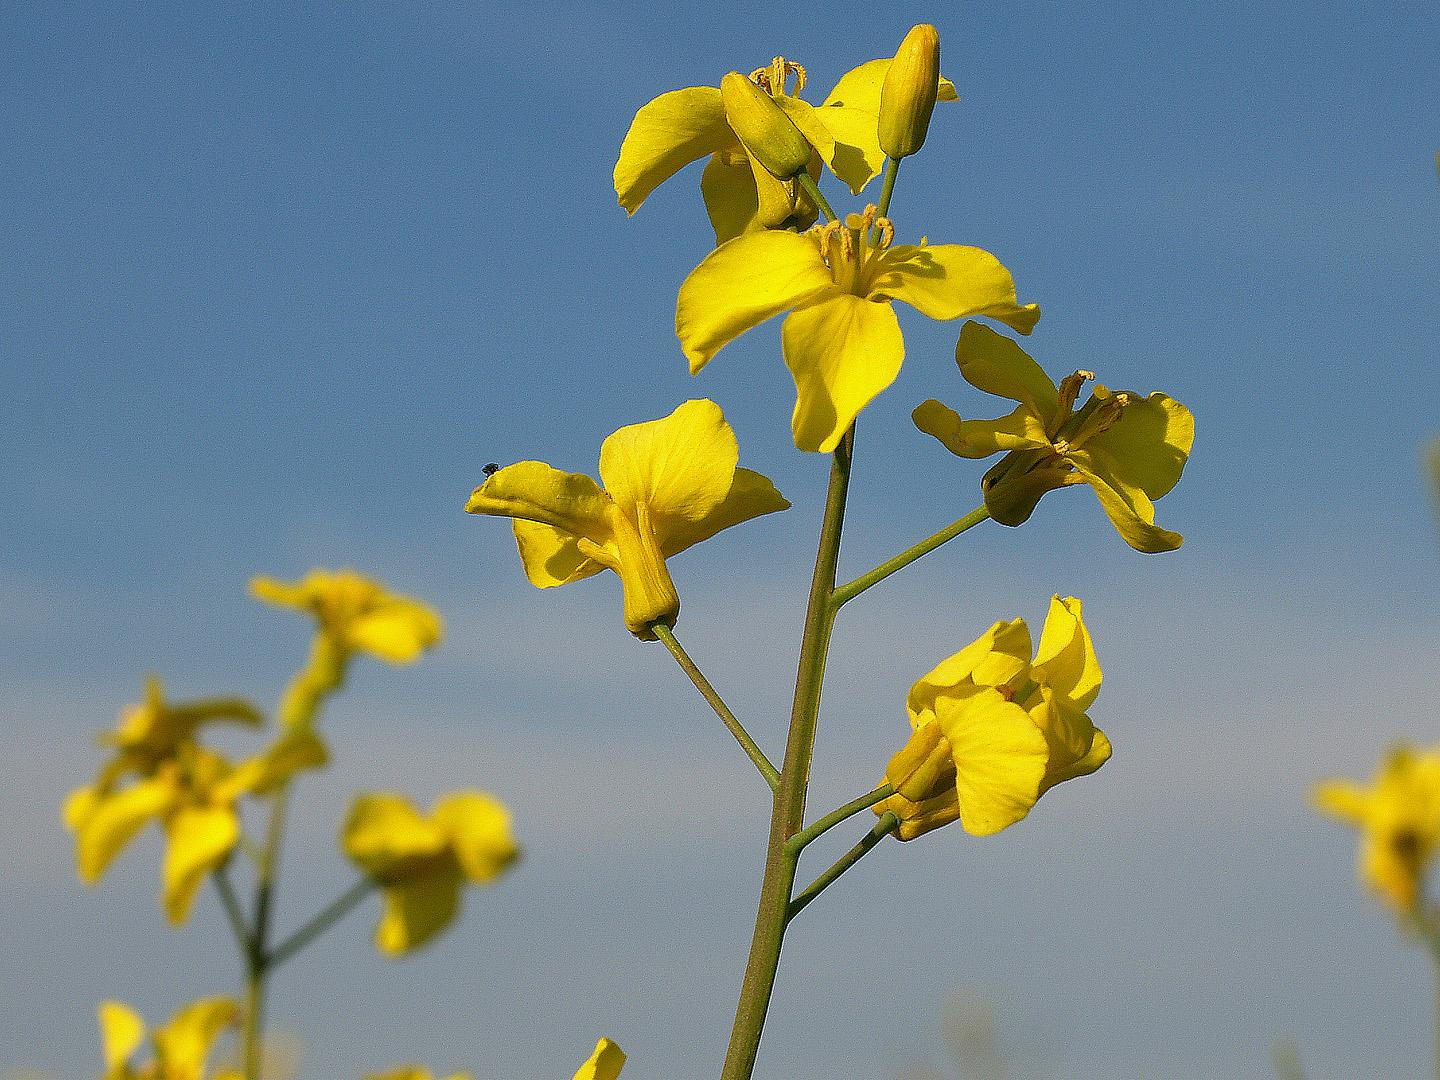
(774, 75)
(823, 233)
(1070, 390)
(887, 232)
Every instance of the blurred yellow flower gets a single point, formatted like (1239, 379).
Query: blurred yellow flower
(841, 340)
(353, 614)
(1129, 449)
(669, 484)
(1399, 819)
(604, 1064)
(740, 196)
(420, 862)
(412, 1072)
(993, 730)
(182, 1046)
(190, 790)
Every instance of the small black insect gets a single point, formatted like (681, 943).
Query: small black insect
(490, 470)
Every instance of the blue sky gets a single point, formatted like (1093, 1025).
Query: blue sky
(279, 282)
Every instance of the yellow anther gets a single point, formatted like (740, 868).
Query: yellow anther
(887, 232)
(824, 234)
(776, 74)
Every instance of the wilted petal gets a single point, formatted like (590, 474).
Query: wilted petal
(1021, 429)
(1126, 505)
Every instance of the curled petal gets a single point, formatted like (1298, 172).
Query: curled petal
(951, 281)
(741, 284)
(1020, 430)
(666, 135)
(1127, 506)
(534, 491)
(842, 351)
(1065, 659)
(106, 824)
(201, 839)
(993, 363)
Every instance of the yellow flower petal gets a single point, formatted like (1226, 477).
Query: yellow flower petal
(666, 135)
(414, 911)
(1019, 430)
(851, 113)
(951, 281)
(842, 351)
(478, 827)
(993, 363)
(803, 115)
(604, 1064)
(551, 556)
(1071, 737)
(1127, 506)
(534, 491)
(997, 657)
(680, 467)
(728, 188)
(398, 632)
(1065, 659)
(1149, 444)
(291, 753)
(183, 1044)
(742, 283)
(121, 1032)
(384, 832)
(201, 839)
(111, 821)
(1000, 759)
(1343, 799)
(751, 495)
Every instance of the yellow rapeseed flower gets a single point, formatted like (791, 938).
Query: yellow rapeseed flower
(160, 772)
(353, 614)
(993, 730)
(182, 1046)
(841, 341)
(740, 195)
(604, 1064)
(1399, 820)
(421, 862)
(1129, 449)
(412, 1072)
(669, 484)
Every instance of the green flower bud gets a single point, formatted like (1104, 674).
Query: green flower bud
(908, 95)
(763, 128)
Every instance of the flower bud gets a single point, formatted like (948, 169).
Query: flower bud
(763, 128)
(908, 95)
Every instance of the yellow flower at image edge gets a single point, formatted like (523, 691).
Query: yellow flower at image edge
(740, 196)
(993, 730)
(669, 484)
(190, 790)
(604, 1064)
(421, 862)
(1399, 819)
(841, 340)
(1129, 449)
(181, 1047)
(358, 613)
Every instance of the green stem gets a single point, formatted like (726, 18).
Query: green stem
(257, 961)
(336, 910)
(708, 692)
(808, 185)
(845, 593)
(233, 912)
(887, 189)
(788, 814)
(887, 824)
(801, 839)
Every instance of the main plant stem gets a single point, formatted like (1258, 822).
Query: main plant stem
(788, 813)
(257, 961)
